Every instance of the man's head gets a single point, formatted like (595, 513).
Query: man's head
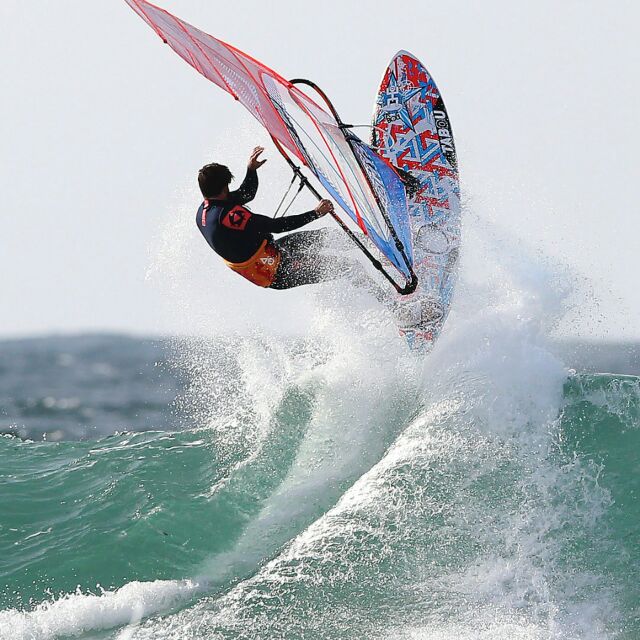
(213, 179)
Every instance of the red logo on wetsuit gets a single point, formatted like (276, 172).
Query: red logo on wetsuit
(236, 218)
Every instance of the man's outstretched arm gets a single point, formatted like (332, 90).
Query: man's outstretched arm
(289, 223)
(246, 192)
(249, 187)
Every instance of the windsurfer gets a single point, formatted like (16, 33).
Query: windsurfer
(244, 239)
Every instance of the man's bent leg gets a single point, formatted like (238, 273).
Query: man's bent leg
(296, 270)
(317, 241)
(303, 262)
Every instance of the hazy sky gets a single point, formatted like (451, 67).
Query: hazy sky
(104, 128)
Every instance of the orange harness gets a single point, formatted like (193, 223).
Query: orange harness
(261, 267)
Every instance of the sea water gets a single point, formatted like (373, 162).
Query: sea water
(326, 485)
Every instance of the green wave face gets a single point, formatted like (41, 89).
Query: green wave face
(484, 502)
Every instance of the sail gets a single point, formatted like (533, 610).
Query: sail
(364, 186)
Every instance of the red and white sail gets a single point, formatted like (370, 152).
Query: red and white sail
(364, 186)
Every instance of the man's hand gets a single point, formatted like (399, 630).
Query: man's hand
(323, 207)
(254, 159)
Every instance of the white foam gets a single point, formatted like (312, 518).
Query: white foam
(76, 613)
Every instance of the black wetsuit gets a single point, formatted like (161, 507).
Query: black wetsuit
(236, 234)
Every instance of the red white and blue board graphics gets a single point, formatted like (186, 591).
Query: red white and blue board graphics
(411, 130)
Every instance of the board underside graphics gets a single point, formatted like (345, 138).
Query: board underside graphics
(411, 130)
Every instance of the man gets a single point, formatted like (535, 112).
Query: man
(245, 242)
(244, 239)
